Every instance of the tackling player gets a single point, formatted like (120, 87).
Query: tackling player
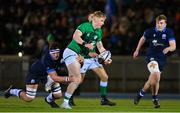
(39, 72)
(161, 41)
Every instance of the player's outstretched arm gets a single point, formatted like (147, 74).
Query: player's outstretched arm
(140, 44)
(59, 79)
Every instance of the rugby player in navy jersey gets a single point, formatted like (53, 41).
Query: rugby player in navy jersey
(161, 41)
(41, 70)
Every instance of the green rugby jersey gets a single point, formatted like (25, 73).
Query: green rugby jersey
(89, 35)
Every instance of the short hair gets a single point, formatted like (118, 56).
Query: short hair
(98, 14)
(161, 17)
(54, 46)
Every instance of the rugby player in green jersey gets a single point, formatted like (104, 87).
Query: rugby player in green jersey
(91, 63)
(87, 36)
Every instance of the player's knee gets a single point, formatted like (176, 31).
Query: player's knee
(157, 77)
(152, 82)
(104, 78)
(29, 99)
(154, 79)
(77, 79)
(153, 67)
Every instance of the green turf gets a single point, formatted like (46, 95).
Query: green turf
(87, 105)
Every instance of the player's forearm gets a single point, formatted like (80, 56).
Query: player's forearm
(78, 40)
(60, 79)
(77, 37)
(100, 47)
(172, 46)
(140, 44)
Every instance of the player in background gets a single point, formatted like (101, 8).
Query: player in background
(161, 41)
(50, 41)
(39, 72)
(85, 38)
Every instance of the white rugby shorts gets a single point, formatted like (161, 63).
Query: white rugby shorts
(89, 64)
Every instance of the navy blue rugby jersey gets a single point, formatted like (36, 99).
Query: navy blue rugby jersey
(44, 65)
(158, 41)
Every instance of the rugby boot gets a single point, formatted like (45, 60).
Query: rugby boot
(7, 92)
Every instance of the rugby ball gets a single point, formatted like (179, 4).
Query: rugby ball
(104, 56)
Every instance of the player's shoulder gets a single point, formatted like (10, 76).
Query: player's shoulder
(169, 30)
(84, 26)
(149, 32)
(47, 56)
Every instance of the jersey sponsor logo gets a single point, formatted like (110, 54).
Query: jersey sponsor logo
(155, 43)
(151, 59)
(163, 36)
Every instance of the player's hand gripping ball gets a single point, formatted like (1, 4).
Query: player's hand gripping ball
(104, 56)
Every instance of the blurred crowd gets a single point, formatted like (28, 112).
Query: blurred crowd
(26, 24)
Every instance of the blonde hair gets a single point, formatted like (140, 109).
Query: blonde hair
(98, 14)
(161, 17)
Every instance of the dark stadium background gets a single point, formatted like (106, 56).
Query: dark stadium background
(25, 25)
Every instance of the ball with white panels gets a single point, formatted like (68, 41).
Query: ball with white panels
(104, 56)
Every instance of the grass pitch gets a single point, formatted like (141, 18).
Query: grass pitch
(13, 104)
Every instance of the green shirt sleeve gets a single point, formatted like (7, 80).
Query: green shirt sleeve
(99, 35)
(82, 27)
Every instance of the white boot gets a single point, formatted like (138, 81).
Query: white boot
(65, 105)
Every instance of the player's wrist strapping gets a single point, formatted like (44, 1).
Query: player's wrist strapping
(67, 79)
(84, 43)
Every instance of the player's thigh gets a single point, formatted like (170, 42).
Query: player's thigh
(100, 71)
(74, 69)
(154, 77)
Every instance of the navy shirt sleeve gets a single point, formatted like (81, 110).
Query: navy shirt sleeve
(147, 34)
(171, 35)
